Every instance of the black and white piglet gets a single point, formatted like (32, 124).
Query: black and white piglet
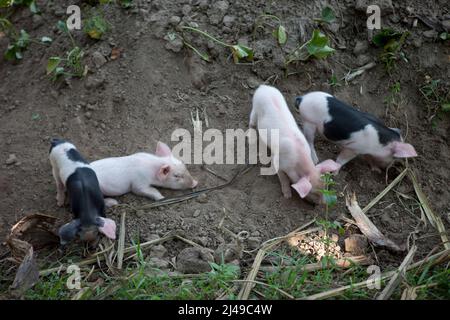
(356, 131)
(73, 174)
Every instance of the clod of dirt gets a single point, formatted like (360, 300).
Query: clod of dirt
(194, 260)
(36, 230)
(94, 81)
(174, 20)
(217, 12)
(27, 275)
(174, 45)
(158, 251)
(228, 252)
(430, 34)
(98, 58)
(356, 244)
(12, 159)
(158, 263)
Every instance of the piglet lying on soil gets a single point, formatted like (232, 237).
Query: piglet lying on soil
(73, 174)
(141, 172)
(357, 132)
(271, 112)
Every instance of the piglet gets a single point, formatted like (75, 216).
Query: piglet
(141, 172)
(356, 131)
(73, 174)
(295, 166)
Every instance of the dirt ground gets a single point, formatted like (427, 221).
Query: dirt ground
(128, 104)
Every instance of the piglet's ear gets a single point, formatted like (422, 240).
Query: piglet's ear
(303, 187)
(403, 150)
(163, 150)
(107, 227)
(328, 166)
(163, 172)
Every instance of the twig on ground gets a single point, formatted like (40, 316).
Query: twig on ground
(396, 278)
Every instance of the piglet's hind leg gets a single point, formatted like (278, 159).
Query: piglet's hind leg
(345, 156)
(309, 130)
(285, 184)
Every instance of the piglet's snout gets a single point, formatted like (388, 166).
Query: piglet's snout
(89, 235)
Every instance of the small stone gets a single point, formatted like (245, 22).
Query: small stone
(98, 58)
(196, 213)
(431, 34)
(88, 114)
(12, 159)
(37, 21)
(158, 251)
(174, 20)
(356, 244)
(203, 198)
(228, 21)
(186, 9)
(174, 45)
(253, 82)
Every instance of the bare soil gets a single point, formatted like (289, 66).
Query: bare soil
(128, 104)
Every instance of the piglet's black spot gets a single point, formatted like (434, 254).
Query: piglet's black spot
(74, 155)
(298, 100)
(55, 142)
(347, 120)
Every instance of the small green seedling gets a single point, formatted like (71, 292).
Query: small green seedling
(334, 82)
(126, 4)
(95, 26)
(279, 31)
(437, 97)
(19, 40)
(392, 42)
(71, 65)
(444, 36)
(316, 47)
(328, 16)
(238, 51)
(31, 4)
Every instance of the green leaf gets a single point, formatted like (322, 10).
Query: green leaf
(10, 53)
(46, 40)
(62, 26)
(23, 40)
(281, 35)
(383, 37)
(52, 64)
(444, 36)
(33, 7)
(5, 3)
(241, 52)
(446, 107)
(318, 45)
(328, 15)
(19, 55)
